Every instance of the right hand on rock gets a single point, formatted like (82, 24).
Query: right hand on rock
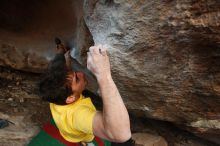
(98, 62)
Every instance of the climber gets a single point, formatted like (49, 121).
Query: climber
(75, 115)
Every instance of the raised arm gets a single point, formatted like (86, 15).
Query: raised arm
(113, 122)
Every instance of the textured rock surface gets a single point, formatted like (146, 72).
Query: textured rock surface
(18, 134)
(148, 139)
(165, 58)
(20, 104)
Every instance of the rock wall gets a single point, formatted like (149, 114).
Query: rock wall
(28, 29)
(165, 57)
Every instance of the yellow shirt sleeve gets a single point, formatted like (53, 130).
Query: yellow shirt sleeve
(83, 119)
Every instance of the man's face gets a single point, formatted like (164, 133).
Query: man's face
(78, 81)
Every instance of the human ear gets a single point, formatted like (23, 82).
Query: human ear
(70, 99)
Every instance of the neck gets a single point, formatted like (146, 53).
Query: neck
(77, 95)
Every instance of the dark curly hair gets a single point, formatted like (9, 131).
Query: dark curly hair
(53, 87)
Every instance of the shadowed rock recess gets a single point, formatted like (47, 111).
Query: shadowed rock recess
(165, 54)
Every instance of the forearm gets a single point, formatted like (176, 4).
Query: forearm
(115, 115)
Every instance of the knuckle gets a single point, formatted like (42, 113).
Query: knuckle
(91, 48)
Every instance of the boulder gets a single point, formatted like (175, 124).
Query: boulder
(165, 58)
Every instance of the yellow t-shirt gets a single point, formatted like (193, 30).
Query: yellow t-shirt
(74, 120)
